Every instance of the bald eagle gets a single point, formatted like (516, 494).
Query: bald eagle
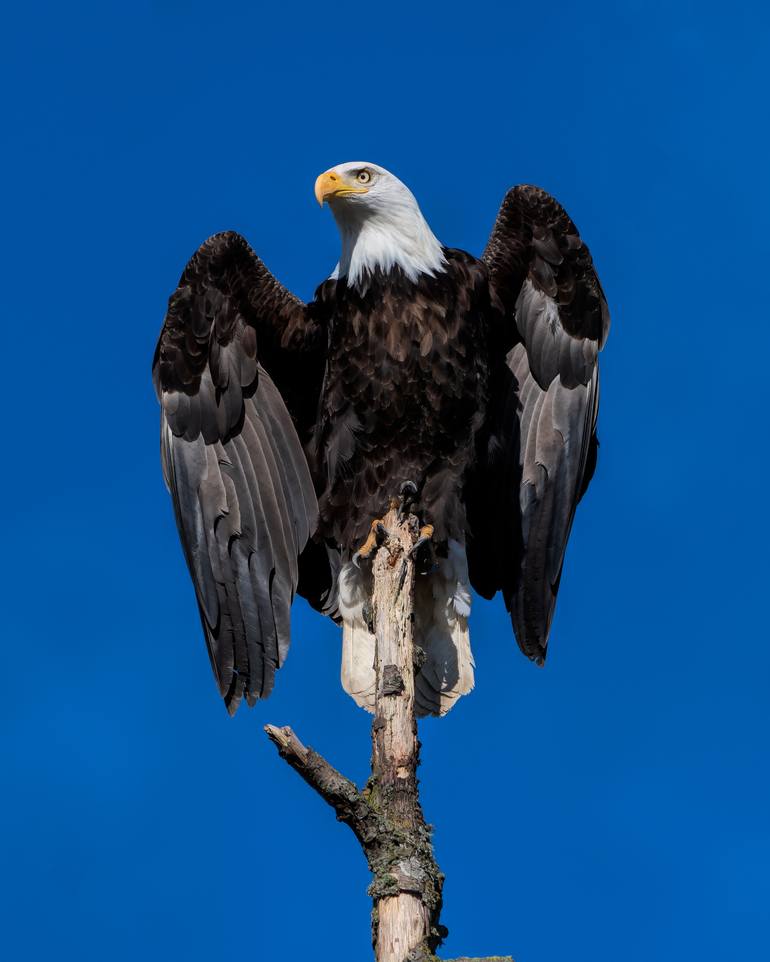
(468, 386)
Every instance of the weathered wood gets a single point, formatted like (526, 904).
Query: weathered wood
(342, 794)
(406, 919)
(386, 815)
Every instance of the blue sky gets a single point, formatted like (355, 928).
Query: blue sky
(611, 807)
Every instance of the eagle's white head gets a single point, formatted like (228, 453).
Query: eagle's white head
(380, 224)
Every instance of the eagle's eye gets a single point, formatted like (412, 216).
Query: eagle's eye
(363, 177)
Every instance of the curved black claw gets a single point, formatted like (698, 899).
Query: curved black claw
(407, 495)
(422, 551)
(367, 612)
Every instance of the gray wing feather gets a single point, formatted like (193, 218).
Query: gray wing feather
(556, 426)
(544, 431)
(240, 483)
(245, 509)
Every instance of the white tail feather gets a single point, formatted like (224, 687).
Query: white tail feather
(442, 605)
(358, 677)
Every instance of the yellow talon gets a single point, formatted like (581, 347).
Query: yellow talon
(376, 536)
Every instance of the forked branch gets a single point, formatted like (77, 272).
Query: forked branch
(386, 816)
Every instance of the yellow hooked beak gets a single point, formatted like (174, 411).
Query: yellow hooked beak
(331, 184)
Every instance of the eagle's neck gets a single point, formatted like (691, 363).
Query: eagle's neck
(398, 237)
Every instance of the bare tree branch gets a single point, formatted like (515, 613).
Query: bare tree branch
(386, 815)
(348, 802)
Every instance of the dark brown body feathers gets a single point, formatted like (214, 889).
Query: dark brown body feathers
(405, 392)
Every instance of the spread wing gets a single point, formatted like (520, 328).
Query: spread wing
(542, 443)
(232, 458)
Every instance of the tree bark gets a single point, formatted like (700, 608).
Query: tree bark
(407, 900)
(386, 816)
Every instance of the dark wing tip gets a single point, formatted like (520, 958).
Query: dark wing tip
(234, 694)
(531, 625)
(536, 651)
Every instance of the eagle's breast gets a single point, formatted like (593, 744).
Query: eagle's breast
(404, 393)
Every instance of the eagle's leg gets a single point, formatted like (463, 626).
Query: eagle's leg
(378, 533)
(377, 536)
(422, 552)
